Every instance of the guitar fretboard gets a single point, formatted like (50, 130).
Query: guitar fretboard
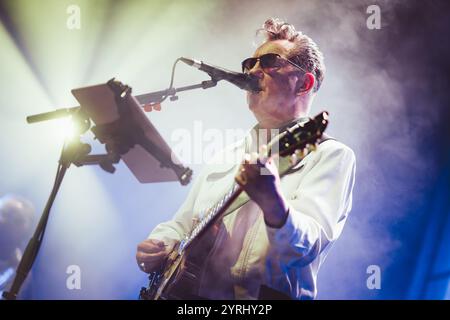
(208, 216)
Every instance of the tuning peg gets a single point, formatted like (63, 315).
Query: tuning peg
(307, 147)
(301, 153)
(311, 147)
(293, 158)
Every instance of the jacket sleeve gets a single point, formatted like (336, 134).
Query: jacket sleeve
(317, 209)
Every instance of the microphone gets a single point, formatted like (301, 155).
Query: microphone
(243, 81)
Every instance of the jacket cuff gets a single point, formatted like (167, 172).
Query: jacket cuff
(284, 233)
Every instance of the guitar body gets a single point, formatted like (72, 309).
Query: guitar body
(182, 272)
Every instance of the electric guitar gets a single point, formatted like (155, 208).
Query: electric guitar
(178, 277)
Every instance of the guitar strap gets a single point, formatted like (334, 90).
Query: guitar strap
(243, 197)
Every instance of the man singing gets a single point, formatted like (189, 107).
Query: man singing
(281, 236)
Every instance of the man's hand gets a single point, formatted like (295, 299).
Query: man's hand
(260, 180)
(151, 253)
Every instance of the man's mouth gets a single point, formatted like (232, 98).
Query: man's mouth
(261, 89)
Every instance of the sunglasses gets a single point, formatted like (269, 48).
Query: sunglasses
(268, 61)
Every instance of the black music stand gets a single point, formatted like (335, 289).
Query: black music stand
(127, 134)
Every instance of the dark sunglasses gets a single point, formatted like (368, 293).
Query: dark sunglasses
(268, 61)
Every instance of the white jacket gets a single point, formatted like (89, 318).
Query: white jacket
(247, 253)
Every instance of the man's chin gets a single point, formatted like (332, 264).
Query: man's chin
(253, 101)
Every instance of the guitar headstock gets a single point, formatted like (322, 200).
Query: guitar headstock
(300, 139)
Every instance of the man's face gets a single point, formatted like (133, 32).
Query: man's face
(277, 100)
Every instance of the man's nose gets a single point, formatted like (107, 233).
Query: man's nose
(257, 71)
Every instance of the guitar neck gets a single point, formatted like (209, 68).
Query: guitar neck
(295, 143)
(212, 215)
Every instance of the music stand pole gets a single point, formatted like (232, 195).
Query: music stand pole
(70, 152)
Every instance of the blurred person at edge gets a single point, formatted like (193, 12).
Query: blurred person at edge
(16, 228)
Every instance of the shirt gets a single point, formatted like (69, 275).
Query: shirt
(247, 253)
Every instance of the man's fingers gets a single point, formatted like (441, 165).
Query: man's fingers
(148, 247)
(156, 242)
(160, 244)
(149, 257)
(151, 246)
(151, 253)
(152, 106)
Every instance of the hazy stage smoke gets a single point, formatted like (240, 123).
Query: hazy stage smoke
(369, 95)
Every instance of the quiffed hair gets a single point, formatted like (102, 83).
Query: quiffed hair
(306, 53)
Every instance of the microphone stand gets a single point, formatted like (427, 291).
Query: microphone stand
(72, 151)
(159, 96)
(77, 153)
(147, 98)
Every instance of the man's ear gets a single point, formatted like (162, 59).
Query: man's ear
(305, 83)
